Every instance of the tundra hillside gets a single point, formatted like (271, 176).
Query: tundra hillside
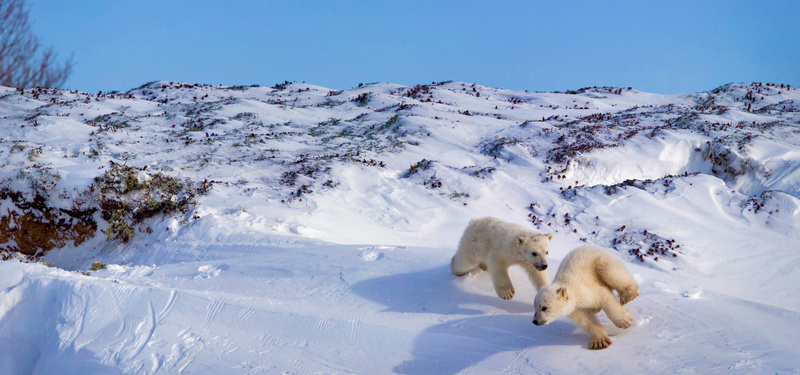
(182, 228)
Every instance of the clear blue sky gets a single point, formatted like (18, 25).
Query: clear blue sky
(656, 46)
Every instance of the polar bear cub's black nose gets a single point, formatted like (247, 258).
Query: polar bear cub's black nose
(540, 267)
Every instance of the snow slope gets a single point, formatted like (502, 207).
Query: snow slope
(323, 243)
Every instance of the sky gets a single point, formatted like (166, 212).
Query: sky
(664, 47)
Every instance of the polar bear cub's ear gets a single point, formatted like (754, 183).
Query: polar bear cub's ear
(549, 236)
(562, 293)
(520, 240)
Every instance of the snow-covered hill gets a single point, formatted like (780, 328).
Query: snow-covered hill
(298, 229)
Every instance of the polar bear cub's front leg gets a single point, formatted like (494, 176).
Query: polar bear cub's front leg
(586, 319)
(537, 278)
(498, 270)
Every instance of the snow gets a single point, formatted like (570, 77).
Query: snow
(317, 251)
(672, 155)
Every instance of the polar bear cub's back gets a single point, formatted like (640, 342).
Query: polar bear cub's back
(492, 234)
(582, 266)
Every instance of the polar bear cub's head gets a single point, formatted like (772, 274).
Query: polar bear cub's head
(551, 302)
(534, 249)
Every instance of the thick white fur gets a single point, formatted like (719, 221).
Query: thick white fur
(495, 245)
(583, 286)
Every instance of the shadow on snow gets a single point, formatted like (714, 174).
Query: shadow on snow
(430, 291)
(457, 344)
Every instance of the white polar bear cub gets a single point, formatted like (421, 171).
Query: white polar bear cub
(583, 286)
(495, 245)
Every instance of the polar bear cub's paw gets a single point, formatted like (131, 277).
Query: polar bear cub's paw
(505, 292)
(599, 343)
(628, 295)
(626, 321)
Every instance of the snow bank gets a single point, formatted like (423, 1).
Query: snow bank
(641, 159)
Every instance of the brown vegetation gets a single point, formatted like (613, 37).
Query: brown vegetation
(33, 228)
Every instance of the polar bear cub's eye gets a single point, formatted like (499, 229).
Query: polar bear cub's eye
(534, 254)
(544, 308)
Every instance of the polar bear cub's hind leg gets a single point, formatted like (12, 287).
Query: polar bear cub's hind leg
(460, 265)
(613, 273)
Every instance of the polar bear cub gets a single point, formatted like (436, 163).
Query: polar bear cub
(495, 245)
(583, 286)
